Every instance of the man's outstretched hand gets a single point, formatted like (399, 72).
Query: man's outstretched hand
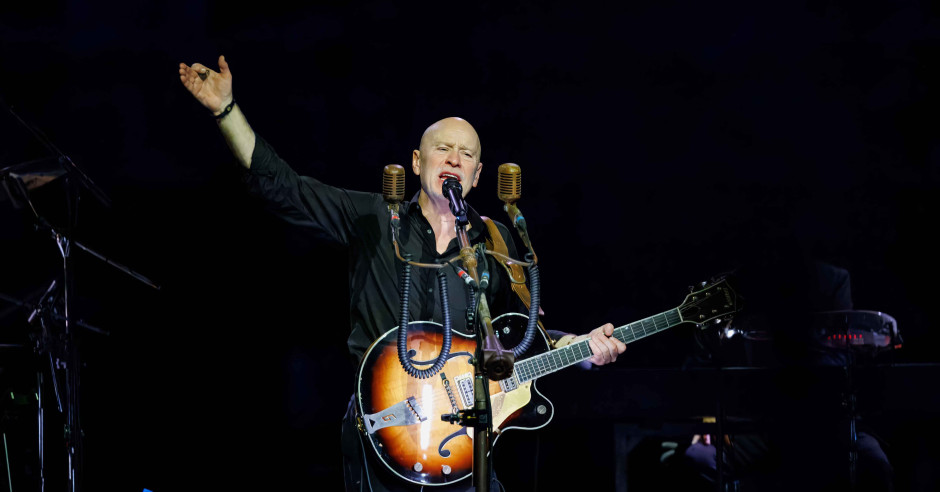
(212, 89)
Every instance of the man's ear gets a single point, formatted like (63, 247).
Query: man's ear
(416, 161)
(476, 175)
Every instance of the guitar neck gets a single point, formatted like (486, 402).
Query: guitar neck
(569, 355)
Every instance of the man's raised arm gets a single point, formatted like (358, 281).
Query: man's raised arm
(214, 91)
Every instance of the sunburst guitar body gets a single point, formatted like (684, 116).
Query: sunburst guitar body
(401, 415)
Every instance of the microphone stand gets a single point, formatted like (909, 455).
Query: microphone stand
(490, 361)
(481, 416)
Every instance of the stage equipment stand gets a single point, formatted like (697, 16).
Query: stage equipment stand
(482, 417)
(68, 357)
(491, 360)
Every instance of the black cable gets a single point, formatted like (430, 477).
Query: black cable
(534, 297)
(472, 308)
(406, 363)
(483, 267)
(403, 316)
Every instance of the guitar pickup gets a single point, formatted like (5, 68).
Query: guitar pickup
(464, 384)
(405, 412)
(509, 384)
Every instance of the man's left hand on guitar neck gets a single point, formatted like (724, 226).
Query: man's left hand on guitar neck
(605, 347)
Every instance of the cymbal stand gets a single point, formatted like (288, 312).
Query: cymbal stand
(849, 401)
(70, 360)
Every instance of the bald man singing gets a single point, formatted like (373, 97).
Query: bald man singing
(449, 148)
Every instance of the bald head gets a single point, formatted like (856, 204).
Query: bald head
(450, 125)
(450, 148)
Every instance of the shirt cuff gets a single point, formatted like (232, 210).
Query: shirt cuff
(262, 158)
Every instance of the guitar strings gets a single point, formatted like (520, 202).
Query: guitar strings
(441, 398)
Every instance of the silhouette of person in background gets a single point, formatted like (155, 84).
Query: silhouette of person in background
(807, 445)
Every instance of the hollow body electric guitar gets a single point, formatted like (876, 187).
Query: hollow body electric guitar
(401, 415)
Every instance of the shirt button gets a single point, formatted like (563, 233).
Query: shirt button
(430, 231)
(430, 289)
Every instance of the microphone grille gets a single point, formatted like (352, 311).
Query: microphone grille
(393, 183)
(509, 184)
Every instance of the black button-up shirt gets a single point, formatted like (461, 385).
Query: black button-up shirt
(360, 221)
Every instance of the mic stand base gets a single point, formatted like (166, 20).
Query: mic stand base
(479, 417)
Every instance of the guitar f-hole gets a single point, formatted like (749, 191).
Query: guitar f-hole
(444, 453)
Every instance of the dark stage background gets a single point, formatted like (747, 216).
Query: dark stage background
(661, 143)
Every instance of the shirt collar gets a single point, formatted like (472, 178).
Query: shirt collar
(477, 226)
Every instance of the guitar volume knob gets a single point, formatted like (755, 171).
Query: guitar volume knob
(418, 467)
(445, 469)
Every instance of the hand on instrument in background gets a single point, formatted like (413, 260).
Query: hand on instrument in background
(212, 89)
(706, 440)
(605, 347)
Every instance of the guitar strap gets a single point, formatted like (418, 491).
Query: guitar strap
(516, 274)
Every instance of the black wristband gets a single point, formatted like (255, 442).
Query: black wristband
(227, 110)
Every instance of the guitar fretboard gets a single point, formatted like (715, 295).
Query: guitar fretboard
(555, 360)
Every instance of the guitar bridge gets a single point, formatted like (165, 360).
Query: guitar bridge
(405, 412)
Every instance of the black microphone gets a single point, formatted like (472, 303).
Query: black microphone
(454, 193)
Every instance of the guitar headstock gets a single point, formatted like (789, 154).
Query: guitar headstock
(714, 301)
